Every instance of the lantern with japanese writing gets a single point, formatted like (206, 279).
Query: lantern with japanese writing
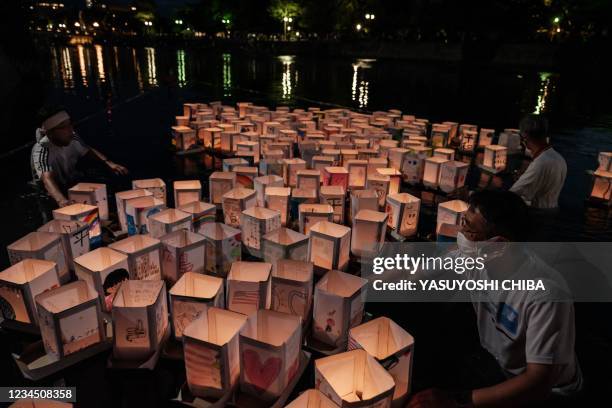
(41, 245)
(602, 186)
(495, 158)
(223, 247)
(184, 137)
(74, 238)
(277, 198)
(85, 213)
(249, 287)
(334, 196)
(200, 213)
(187, 191)
(155, 185)
(450, 212)
(284, 243)
(144, 256)
(138, 210)
(140, 319)
(468, 140)
(92, 194)
(168, 220)
(255, 223)
(453, 175)
(121, 198)
(234, 202)
(368, 233)
(431, 174)
(182, 251)
(262, 182)
(329, 245)
(403, 210)
(220, 182)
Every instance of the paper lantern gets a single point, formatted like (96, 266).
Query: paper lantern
(223, 247)
(284, 243)
(230, 164)
(255, 223)
(431, 173)
(184, 137)
(167, 221)
(140, 319)
(291, 168)
(245, 176)
(338, 306)
(605, 161)
(219, 183)
(121, 198)
(376, 163)
(448, 154)
(468, 140)
(19, 286)
(249, 146)
(320, 162)
(512, 141)
(182, 251)
(357, 171)
(334, 196)
(103, 269)
(269, 353)
(74, 238)
(144, 256)
(234, 202)
(413, 168)
(85, 213)
(495, 158)
(335, 176)
(277, 198)
(486, 137)
(92, 194)
(311, 214)
(380, 184)
(329, 245)
(292, 287)
(211, 350)
(300, 196)
(362, 200)
(138, 210)
(440, 135)
(453, 175)
(249, 287)
(368, 233)
(450, 212)
(41, 245)
(229, 140)
(310, 179)
(262, 182)
(396, 157)
(187, 191)
(191, 295)
(210, 138)
(70, 319)
(602, 186)
(395, 178)
(403, 210)
(312, 399)
(200, 213)
(155, 185)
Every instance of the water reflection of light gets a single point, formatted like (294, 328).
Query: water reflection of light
(360, 87)
(151, 69)
(55, 67)
(67, 74)
(544, 92)
(227, 74)
(287, 82)
(100, 63)
(180, 67)
(82, 64)
(137, 69)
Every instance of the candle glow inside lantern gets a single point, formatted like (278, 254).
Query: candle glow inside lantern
(395, 178)
(187, 191)
(431, 173)
(495, 158)
(291, 168)
(292, 287)
(308, 179)
(191, 295)
(468, 140)
(211, 350)
(368, 233)
(336, 176)
(234, 202)
(450, 212)
(168, 220)
(262, 182)
(121, 199)
(85, 213)
(249, 287)
(182, 251)
(334, 196)
(220, 182)
(403, 210)
(21, 283)
(320, 162)
(144, 256)
(413, 168)
(255, 223)
(357, 171)
(41, 245)
(284, 243)
(184, 137)
(440, 136)
(485, 137)
(338, 306)
(269, 339)
(397, 156)
(379, 183)
(311, 214)
(200, 213)
(155, 185)
(92, 194)
(140, 319)
(605, 161)
(602, 186)
(138, 210)
(70, 319)
(329, 245)
(362, 200)
(453, 175)
(277, 198)
(312, 399)
(210, 137)
(448, 154)
(245, 176)
(223, 247)
(74, 238)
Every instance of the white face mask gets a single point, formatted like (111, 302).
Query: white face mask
(491, 248)
(466, 247)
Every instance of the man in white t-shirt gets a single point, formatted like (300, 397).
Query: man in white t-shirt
(543, 180)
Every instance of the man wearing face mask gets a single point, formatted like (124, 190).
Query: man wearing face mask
(543, 180)
(56, 153)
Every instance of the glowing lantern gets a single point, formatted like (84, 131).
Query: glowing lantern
(312, 399)
(210, 137)
(395, 178)
(41, 245)
(329, 245)
(468, 140)
(184, 137)
(310, 179)
(320, 162)
(144, 256)
(448, 154)
(397, 156)
(334, 196)
(403, 210)
(277, 198)
(291, 168)
(376, 163)
(511, 140)
(231, 164)
(262, 182)
(255, 223)
(440, 136)
(413, 167)
(495, 158)
(311, 214)
(220, 182)
(245, 176)
(200, 213)
(486, 137)
(138, 210)
(335, 176)
(368, 233)
(234, 202)
(605, 161)
(121, 198)
(602, 186)
(292, 287)
(452, 175)
(249, 146)
(223, 247)
(187, 191)
(74, 238)
(450, 212)
(182, 251)
(92, 194)
(357, 170)
(168, 220)
(155, 185)
(431, 174)
(229, 140)
(380, 184)
(85, 213)
(284, 243)
(362, 200)
(249, 287)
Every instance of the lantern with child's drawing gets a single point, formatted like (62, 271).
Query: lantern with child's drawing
(187, 191)
(309, 179)
(453, 175)
(155, 185)
(70, 320)
(140, 319)
(85, 213)
(262, 182)
(335, 176)
(495, 158)
(223, 247)
(219, 183)
(334, 196)
(210, 138)
(104, 269)
(211, 350)
(468, 140)
(121, 198)
(255, 223)
(200, 213)
(450, 212)
(448, 154)
(329, 245)
(245, 176)
(191, 295)
(354, 379)
(431, 173)
(312, 399)
(138, 210)
(380, 184)
(485, 138)
(602, 186)
(338, 306)
(144, 256)
(92, 194)
(249, 287)
(284, 243)
(41, 245)
(234, 202)
(182, 251)
(357, 171)
(291, 167)
(403, 210)
(413, 167)
(269, 353)
(391, 346)
(277, 198)
(311, 214)
(292, 287)
(74, 238)
(368, 233)
(168, 220)
(20, 284)
(184, 137)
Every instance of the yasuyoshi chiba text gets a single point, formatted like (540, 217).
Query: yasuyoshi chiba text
(460, 285)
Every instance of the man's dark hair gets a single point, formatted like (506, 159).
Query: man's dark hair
(505, 211)
(47, 111)
(535, 127)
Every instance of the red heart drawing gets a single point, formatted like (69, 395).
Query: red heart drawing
(260, 375)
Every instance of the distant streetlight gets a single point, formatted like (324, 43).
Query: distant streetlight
(95, 24)
(556, 20)
(358, 27)
(369, 16)
(178, 22)
(133, 8)
(77, 24)
(297, 33)
(286, 28)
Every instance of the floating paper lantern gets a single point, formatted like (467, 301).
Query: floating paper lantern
(144, 256)
(249, 146)
(85, 213)
(184, 137)
(138, 210)
(376, 163)
(140, 319)
(448, 154)
(231, 164)
(486, 137)
(403, 210)
(187, 191)
(395, 178)
(362, 200)
(450, 212)
(74, 238)
(605, 161)
(329, 245)
(245, 176)
(21, 283)
(92, 194)
(301, 196)
(468, 140)
(368, 233)
(495, 158)
(220, 182)
(249, 287)
(210, 137)
(191, 295)
(312, 399)
(453, 175)
(284, 243)
(512, 141)
(223, 247)
(413, 168)
(431, 174)
(320, 162)
(357, 171)
(310, 179)
(41, 245)
(154, 185)
(167, 221)
(121, 198)
(277, 198)
(396, 157)
(70, 319)
(334, 196)
(380, 184)
(262, 182)
(234, 202)
(269, 353)
(229, 141)
(602, 186)
(335, 176)
(291, 168)
(338, 306)
(292, 287)
(210, 346)
(255, 223)
(440, 136)
(200, 213)
(182, 251)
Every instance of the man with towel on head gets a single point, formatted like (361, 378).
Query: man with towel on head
(56, 153)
